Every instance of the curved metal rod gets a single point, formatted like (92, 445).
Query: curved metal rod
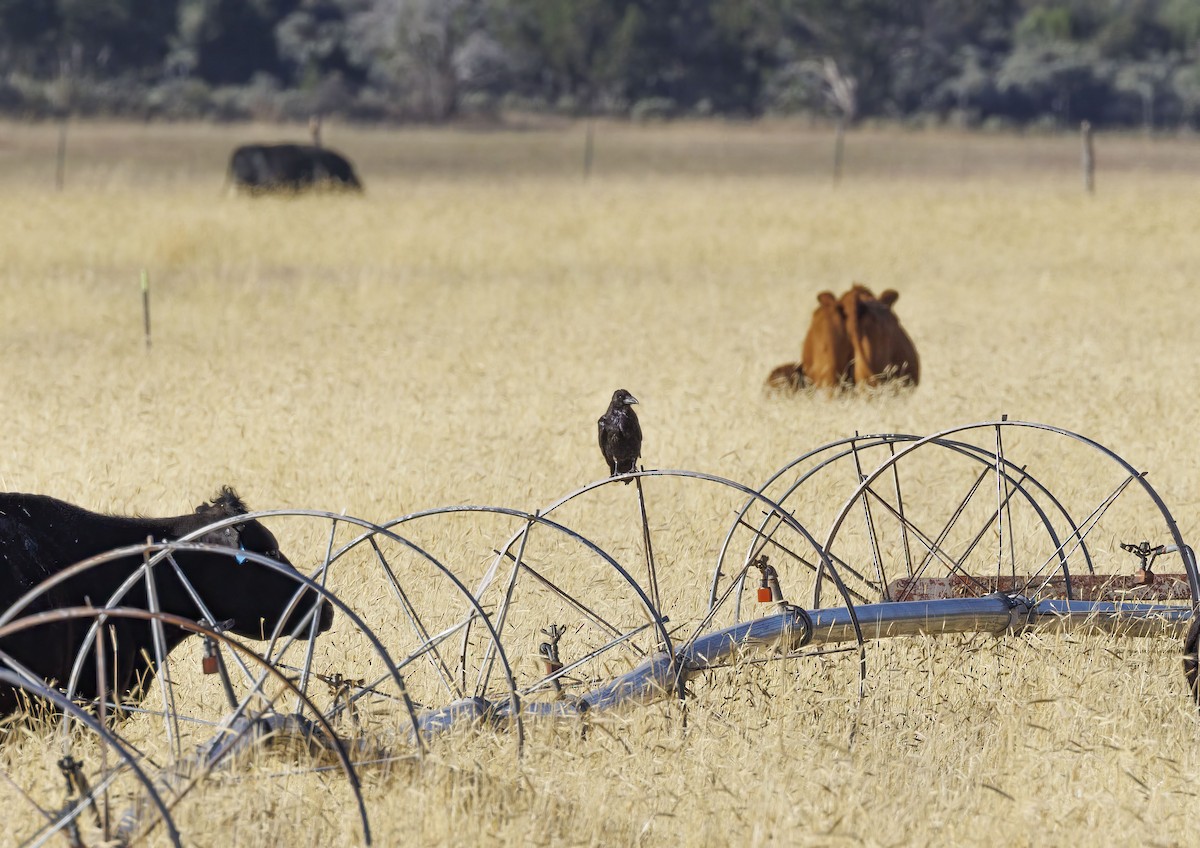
(165, 548)
(108, 739)
(1183, 549)
(752, 494)
(160, 551)
(934, 550)
(967, 449)
(654, 614)
(373, 530)
(73, 613)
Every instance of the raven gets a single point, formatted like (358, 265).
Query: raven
(620, 434)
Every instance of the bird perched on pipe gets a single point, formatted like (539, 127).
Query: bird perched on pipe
(620, 434)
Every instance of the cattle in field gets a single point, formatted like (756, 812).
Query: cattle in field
(261, 168)
(882, 350)
(41, 536)
(827, 353)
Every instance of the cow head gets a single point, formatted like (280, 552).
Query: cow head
(827, 352)
(255, 596)
(882, 350)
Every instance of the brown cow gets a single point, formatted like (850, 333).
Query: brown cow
(882, 350)
(826, 358)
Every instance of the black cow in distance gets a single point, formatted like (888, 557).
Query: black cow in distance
(261, 168)
(40, 536)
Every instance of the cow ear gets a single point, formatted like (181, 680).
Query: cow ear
(889, 296)
(826, 298)
(229, 503)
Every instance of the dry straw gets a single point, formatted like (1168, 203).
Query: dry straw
(451, 337)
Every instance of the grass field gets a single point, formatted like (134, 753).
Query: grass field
(452, 335)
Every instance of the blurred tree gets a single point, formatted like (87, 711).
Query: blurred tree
(1185, 89)
(29, 33)
(311, 40)
(426, 53)
(1149, 82)
(900, 53)
(1119, 61)
(1180, 19)
(575, 52)
(227, 42)
(702, 57)
(1060, 79)
(98, 37)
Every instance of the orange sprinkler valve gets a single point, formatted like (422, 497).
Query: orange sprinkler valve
(768, 589)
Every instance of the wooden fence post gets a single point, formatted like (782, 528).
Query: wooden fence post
(60, 167)
(839, 142)
(1089, 158)
(589, 148)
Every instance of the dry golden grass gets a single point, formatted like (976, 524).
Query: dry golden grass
(451, 337)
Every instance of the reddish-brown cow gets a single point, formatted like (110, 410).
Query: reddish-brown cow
(827, 354)
(882, 350)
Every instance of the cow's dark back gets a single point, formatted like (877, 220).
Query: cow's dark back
(290, 167)
(41, 536)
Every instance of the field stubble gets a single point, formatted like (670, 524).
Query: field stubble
(451, 337)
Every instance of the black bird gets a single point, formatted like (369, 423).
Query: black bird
(620, 434)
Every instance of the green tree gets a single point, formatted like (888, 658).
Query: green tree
(574, 50)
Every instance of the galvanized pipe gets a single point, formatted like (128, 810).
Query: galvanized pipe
(998, 613)
(792, 628)
(989, 614)
(1125, 619)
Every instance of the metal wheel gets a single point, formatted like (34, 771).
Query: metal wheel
(569, 614)
(123, 781)
(636, 622)
(418, 607)
(1007, 506)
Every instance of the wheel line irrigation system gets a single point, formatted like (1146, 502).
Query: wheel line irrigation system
(997, 527)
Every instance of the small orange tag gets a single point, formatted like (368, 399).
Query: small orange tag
(764, 594)
(209, 664)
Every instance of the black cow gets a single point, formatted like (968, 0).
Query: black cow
(40, 536)
(290, 167)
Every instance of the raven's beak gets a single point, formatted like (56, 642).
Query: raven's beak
(631, 399)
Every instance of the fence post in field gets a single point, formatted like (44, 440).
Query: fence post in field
(839, 141)
(588, 148)
(1089, 157)
(841, 91)
(314, 129)
(60, 167)
(146, 306)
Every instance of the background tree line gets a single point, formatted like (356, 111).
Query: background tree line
(1113, 62)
